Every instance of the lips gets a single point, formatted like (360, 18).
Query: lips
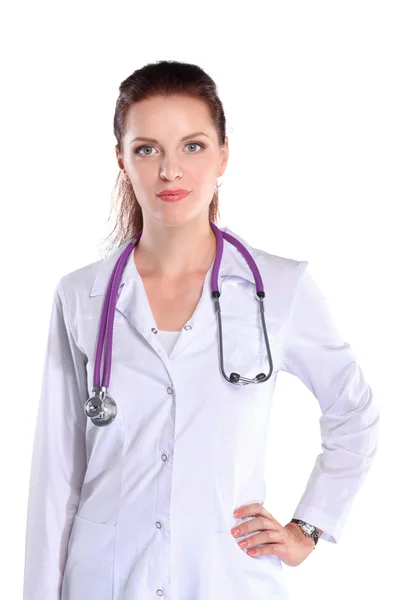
(173, 195)
(177, 192)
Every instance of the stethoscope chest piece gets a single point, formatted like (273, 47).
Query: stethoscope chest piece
(101, 408)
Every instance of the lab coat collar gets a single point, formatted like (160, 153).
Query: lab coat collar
(232, 264)
(133, 304)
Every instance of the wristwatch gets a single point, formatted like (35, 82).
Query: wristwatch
(307, 529)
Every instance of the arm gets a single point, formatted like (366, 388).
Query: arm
(58, 459)
(316, 353)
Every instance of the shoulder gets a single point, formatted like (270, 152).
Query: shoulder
(90, 279)
(80, 280)
(78, 288)
(73, 289)
(278, 272)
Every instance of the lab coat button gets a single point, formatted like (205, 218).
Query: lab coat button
(160, 593)
(164, 457)
(188, 327)
(169, 390)
(158, 525)
(154, 330)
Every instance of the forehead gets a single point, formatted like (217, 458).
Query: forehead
(172, 116)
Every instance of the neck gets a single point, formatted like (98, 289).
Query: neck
(173, 252)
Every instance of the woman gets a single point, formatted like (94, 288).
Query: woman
(143, 507)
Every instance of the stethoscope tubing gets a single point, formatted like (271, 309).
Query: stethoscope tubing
(101, 408)
(107, 321)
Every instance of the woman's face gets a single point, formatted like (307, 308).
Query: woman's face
(169, 162)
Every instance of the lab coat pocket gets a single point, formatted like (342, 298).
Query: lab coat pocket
(237, 575)
(243, 348)
(90, 561)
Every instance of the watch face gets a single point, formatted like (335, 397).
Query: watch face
(309, 529)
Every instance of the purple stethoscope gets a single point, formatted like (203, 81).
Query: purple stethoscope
(101, 408)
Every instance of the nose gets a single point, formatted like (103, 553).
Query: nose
(170, 169)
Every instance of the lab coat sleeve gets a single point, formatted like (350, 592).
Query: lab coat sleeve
(316, 353)
(58, 458)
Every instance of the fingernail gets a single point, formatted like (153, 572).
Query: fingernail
(237, 513)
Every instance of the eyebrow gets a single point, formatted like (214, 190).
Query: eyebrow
(186, 137)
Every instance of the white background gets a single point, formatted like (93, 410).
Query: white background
(311, 94)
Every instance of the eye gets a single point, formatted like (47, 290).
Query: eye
(195, 144)
(138, 150)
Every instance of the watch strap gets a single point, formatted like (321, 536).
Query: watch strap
(314, 535)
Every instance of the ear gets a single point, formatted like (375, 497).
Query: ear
(119, 159)
(224, 156)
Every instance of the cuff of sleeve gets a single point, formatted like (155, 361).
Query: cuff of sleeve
(331, 527)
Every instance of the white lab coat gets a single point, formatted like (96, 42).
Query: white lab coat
(143, 507)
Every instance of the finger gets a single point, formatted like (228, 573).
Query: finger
(264, 514)
(255, 509)
(272, 519)
(261, 538)
(265, 550)
(262, 511)
(256, 524)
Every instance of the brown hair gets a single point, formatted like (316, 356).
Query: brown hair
(164, 78)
